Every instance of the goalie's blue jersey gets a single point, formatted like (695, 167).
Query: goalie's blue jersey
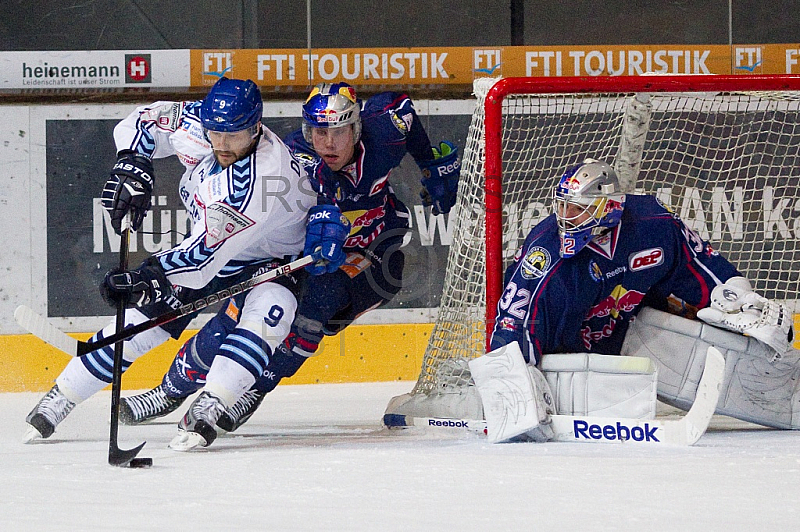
(586, 303)
(390, 128)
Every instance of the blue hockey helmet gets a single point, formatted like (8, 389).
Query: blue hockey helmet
(587, 202)
(332, 105)
(231, 105)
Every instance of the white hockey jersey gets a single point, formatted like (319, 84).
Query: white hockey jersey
(253, 210)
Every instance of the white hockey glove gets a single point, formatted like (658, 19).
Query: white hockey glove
(734, 306)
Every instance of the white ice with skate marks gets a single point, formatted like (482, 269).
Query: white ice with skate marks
(315, 457)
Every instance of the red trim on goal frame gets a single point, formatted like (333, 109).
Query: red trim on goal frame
(493, 124)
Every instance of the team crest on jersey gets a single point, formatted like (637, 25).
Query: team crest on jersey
(595, 272)
(305, 159)
(399, 123)
(222, 222)
(535, 263)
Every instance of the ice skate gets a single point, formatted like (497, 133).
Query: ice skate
(43, 419)
(196, 429)
(237, 415)
(147, 406)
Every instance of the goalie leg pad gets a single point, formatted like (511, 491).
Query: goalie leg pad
(588, 384)
(516, 397)
(755, 388)
(447, 399)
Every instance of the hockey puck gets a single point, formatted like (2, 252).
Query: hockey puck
(141, 462)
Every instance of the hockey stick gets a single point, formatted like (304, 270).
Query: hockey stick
(684, 431)
(116, 456)
(46, 331)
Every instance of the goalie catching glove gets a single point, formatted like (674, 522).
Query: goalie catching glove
(143, 286)
(440, 178)
(734, 306)
(326, 233)
(129, 189)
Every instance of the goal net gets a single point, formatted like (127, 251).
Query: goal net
(722, 151)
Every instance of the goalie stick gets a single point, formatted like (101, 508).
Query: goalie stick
(684, 431)
(40, 327)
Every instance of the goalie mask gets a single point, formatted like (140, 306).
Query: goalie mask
(332, 105)
(587, 202)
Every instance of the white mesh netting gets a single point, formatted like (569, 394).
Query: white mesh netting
(727, 163)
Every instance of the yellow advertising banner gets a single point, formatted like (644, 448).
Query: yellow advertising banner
(461, 65)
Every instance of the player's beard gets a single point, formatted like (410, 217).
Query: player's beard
(225, 158)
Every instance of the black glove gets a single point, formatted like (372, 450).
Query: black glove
(129, 189)
(145, 285)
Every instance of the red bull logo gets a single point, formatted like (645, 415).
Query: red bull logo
(348, 92)
(366, 218)
(620, 300)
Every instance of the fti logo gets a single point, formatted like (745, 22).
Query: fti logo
(486, 62)
(138, 68)
(748, 59)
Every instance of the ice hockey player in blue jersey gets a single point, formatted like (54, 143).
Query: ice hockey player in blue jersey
(240, 225)
(586, 270)
(349, 150)
(596, 278)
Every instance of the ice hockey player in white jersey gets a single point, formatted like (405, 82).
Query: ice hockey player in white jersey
(249, 200)
(349, 149)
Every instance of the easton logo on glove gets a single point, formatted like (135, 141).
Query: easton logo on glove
(133, 170)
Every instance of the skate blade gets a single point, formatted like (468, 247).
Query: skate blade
(32, 435)
(186, 441)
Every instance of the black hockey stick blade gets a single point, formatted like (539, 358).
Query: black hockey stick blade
(116, 456)
(41, 327)
(122, 458)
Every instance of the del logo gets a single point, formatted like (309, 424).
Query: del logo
(535, 263)
(646, 259)
(138, 68)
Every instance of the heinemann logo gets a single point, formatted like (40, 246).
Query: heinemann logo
(72, 71)
(50, 75)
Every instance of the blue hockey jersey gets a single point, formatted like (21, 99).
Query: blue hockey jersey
(586, 303)
(390, 129)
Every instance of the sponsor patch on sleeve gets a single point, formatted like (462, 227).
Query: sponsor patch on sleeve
(222, 222)
(166, 116)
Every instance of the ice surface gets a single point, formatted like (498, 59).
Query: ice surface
(315, 457)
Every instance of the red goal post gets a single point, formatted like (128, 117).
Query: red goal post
(493, 113)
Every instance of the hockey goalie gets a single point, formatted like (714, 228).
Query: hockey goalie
(582, 326)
